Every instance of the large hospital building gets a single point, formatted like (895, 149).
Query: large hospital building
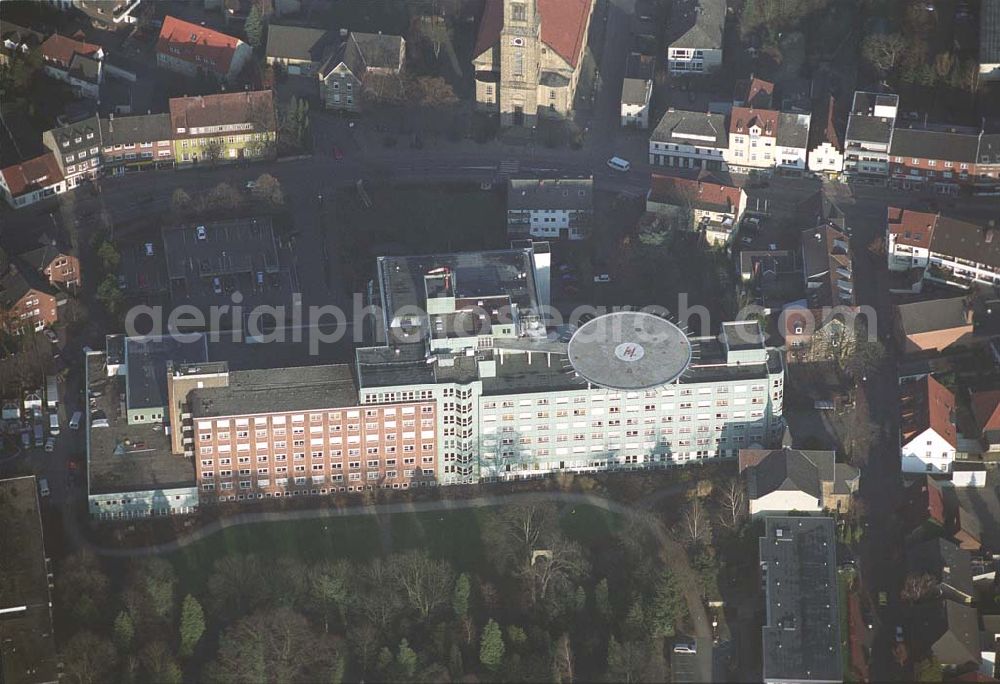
(463, 382)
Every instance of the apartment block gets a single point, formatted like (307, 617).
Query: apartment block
(226, 127)
(694, 42)
(293, 431)
(869, 133)
(550, 208)
(946, 249)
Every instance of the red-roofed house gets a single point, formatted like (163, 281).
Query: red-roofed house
(191, 49)
(528, 57)
(986, 410)
(753, 135)
(25, 183)
(74, 62)
(705, 205)
(928, 438)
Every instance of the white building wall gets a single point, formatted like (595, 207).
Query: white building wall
(928, 452)
(826, 159)
(693, 60)
(144, 504)
(686, 155)
(792, 157)
(783, 502)
(969, 478)
(634, 115)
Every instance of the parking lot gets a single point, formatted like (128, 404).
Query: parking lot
(207, 264)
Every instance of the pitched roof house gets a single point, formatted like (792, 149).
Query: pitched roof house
(948, 565)
(363, 56)
(784, 480)
(946, 629)
(77, 148)
(694, 38)
(299, 49)
(191, 49)
(933, 325)
(928, 438)
(826, 138)
(58, 265)
(32, 180)
(986, 411)
(709, 205)
(74, 62)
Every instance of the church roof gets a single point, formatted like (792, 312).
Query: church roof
(564, 25)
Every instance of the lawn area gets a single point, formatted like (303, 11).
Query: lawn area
(415, 220)
(453, 535)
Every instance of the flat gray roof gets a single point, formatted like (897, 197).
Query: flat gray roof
(146, 365)
(123, 457)
(629, 350)
(27, 644)
(801, 634)
(278, 389)
(550, 193)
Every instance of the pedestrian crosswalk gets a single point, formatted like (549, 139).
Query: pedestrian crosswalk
(509, 167)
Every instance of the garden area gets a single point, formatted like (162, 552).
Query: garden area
(528, 592)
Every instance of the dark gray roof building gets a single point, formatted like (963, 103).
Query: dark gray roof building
(989, 33)
(277, 389)
(925, 143)
(946, 629)
(692, 128)
(801, 634)
(863, 125)
(793, 130)
(933, 314)
(635, 91)
(568, 193)
(131, 130)
(299, 43)
(146, 366)
(697, 24)
(373, 51)
(947, 564)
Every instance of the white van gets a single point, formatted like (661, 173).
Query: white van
(74, 422)
(53, 423)
(43, 487)
(619, 164)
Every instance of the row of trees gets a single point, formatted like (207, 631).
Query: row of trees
(537, 609)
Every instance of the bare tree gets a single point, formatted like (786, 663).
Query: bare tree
(562, 560)
(733, 499)
(563, 660)
(883, 51)
(425, 582)
(269, 188)
(434, 30)
(180, 201)
(916, 586)
(695, 528)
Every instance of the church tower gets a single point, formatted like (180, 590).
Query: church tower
(520, 53)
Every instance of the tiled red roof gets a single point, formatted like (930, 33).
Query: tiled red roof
(824, 126)
(986, 409)
(742, 118)
(928, 404)
(755, 92)
(253, 106)
(564, 24)
(183, 40)
(698, 193)
(913, 228)
(40, 172)
(60, 49)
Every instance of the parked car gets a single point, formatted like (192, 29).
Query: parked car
(201, 232)
(43, 487)
(51, 334)
(686, 647)
(619, 164)
(50, 444)
(602, 278)
(883, 598)
(216, 286)
(899, 634)
(149, 249)
(250, 186)
(74, 422)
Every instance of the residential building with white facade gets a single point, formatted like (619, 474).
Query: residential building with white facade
(694, 44)
(928, 436)
(637, 94)
(701, 203)
(826, 139)
(948, 250)
(77, 149)
(550, 208)
(784, 480)
(868, 138)
(690, 140)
